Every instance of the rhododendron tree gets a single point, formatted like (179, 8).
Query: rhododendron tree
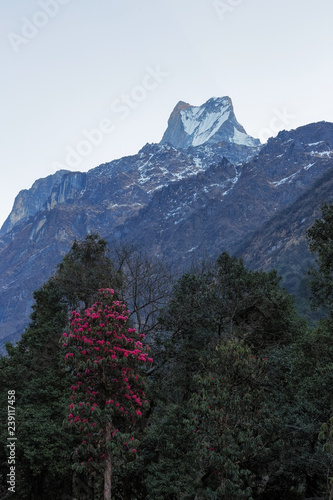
(107, 359)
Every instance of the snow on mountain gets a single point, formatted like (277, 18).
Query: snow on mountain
(211, 123)
(242, 138)
(201, 124)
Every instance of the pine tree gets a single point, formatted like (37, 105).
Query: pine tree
(320, 237)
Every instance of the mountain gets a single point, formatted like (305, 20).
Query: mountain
(211, 123)
(180, 201)
(226, 203)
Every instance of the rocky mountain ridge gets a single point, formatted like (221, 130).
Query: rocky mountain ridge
(133, 179)
(227, 203)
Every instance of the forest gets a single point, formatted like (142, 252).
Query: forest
(133, 381)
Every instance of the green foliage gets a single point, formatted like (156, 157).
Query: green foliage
(227, 422)
(239, 389)
(229, 299)
(34, 370)
(299, 381)
(170, 453)
(216, 325)
(252, 304)
(216, 321)
(84, 270)
(320, 237)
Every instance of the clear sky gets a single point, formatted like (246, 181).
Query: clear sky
(85, 82)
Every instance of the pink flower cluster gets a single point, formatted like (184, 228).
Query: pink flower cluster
(105, 356)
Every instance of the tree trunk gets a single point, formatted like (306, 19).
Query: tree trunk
(74, 486)
(331, 494)
(108, 465)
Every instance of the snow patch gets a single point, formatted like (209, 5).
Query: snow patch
(322, 154)
(203, 128)
(309, 166)
(284, 180)
(234, 181)
(241, 138)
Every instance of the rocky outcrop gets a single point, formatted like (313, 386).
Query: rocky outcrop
(31, 201)
(71, 187)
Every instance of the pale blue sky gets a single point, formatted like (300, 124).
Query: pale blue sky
(70, 67)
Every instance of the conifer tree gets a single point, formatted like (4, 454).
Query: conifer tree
(320, 237)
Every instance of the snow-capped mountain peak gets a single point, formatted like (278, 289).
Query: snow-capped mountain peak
(212, 122)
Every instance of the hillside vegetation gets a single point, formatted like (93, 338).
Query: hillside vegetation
(235, 401)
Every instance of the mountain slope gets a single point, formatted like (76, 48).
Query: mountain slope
(281, 242)
(220, 207)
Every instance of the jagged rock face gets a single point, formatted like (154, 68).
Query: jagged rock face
(210, 123)
(179, 203)
(71, 187)
(31, 201)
